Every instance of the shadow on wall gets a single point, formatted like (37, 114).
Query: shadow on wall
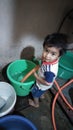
(66, 26)
(27, 53)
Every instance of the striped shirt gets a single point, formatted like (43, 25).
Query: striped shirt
(48, 71)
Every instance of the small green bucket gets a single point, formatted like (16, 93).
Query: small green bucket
(15, 73)
(66, 66)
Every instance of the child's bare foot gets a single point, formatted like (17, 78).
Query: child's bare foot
(31, 102)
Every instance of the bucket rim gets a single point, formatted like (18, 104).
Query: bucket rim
(68, 53)
(18, 117)
(68, 69)
(13, 104)
(11, 79)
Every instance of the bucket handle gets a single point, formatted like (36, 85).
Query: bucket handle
(30, 73)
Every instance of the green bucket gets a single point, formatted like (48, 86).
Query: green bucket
(15, 73)
(66, 66)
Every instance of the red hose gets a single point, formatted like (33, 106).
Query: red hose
(30, 73)
(55, 98)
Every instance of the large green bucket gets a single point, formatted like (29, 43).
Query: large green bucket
(15, 73)
(66, 66)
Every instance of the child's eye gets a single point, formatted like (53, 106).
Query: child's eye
(53, 54)
(47, 50)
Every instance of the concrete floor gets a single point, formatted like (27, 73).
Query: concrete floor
(41, 117)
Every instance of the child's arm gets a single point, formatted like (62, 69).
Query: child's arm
(41, 80)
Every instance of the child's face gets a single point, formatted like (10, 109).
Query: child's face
(50, 54)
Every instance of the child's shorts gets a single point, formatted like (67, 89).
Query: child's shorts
(36, 92)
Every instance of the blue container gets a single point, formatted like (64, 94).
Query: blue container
(16, 122)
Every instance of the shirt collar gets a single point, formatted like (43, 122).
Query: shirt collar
(50, 63)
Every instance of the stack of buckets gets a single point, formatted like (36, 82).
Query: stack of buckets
(66, 66)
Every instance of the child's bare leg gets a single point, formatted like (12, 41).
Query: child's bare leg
(42, 96)
(34, 102)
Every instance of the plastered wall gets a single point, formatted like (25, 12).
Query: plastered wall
(25, 23)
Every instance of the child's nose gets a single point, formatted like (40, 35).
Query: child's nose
(48, 55)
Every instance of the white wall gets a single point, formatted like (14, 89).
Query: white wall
(25, 23)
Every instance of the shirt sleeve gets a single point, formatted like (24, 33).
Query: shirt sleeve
(49, 76)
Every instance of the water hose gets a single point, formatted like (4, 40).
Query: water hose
(30, 73)
(55, 98)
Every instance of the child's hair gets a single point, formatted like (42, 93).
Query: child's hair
(57, 40)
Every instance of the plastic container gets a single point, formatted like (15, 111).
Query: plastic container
(8, 93)
(16, 122)
(66, 66)
(15, 73)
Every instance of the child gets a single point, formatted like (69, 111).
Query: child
(54, 47)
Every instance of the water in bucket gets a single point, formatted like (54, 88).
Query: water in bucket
(19, 76)
(15, 73)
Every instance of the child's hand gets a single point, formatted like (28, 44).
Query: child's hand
(40, 79)
(35, 74)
